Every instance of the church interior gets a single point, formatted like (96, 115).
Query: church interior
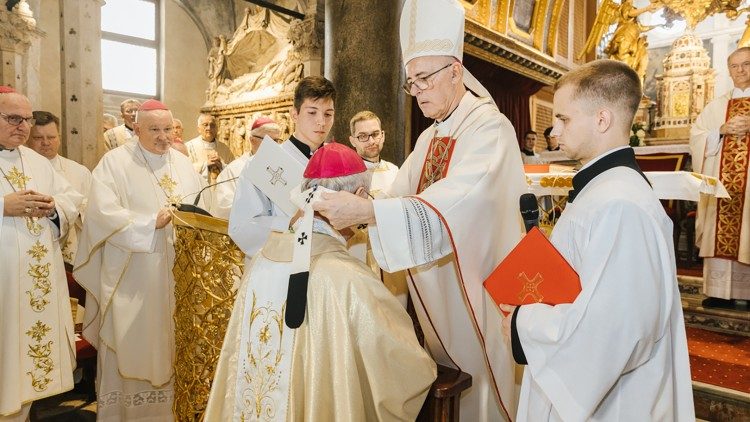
(240, 60)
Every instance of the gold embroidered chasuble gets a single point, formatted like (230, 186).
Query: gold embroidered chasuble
(354, 358)
(733, 173)
(37, 353)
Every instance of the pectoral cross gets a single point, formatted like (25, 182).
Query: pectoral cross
(168, 185)
(16, 178)
(276, 175)
(530, 287)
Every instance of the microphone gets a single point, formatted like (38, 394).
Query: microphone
(194, 206)
(529, 210)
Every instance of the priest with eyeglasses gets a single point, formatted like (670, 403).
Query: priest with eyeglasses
(37, 353)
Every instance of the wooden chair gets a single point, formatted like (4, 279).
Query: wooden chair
(443, 400)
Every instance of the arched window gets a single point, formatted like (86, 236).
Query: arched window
(130, 48)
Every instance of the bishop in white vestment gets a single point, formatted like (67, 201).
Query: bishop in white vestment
(37, 353)
(125, 262)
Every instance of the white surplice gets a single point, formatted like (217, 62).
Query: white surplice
(125, 265)
(80, 178)
(722, 278)
(619, 352)
(450, 237)
(226, 187)
(37, 353)
(253, 215)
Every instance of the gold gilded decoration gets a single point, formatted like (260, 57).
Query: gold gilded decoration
(628, 44)
(735, 158)
(685, 87)
(207, 267)
(530, 287)
(32, 224)
(264, 357)
(38, 251)
(436, 162)
(556, 182)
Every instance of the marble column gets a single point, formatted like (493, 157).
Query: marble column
(719, 55)
(80, 61)
(19, 51)
(362, 57)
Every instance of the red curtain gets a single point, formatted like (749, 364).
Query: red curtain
(511, 91)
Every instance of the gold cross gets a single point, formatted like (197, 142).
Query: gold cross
(17, 178)
(168, 184)
(530, 287)
(38, 251)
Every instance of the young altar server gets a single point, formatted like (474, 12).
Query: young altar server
(619, 351)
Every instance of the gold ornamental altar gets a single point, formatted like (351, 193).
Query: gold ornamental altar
(207, 269)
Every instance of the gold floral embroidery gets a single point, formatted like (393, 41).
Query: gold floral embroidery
(43, 364)
(261, 374)
(16, 178)
(41, 287)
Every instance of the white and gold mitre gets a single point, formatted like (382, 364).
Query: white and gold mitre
(432, 28)
(436, 28)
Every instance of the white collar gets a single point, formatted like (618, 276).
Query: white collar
(740, 93)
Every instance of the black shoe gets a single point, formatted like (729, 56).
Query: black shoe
(715, 302)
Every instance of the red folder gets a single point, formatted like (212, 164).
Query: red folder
(533, 272)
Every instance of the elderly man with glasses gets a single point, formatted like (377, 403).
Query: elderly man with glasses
(453, 212)
(38, 206)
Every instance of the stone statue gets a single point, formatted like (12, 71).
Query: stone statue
(216, 64)
(237, 137)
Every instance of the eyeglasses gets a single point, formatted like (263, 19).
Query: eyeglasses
(364, 137)
(423, 83)
(16, 120)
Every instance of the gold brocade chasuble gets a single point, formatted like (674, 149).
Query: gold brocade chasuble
(436, 161)
(733, 168)
(41, 350)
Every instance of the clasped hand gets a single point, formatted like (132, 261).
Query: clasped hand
(28, 203)
(738, 126)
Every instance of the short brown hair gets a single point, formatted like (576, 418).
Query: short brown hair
(43, 118)
(361, 117)
(314, 88)
(606, 82)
